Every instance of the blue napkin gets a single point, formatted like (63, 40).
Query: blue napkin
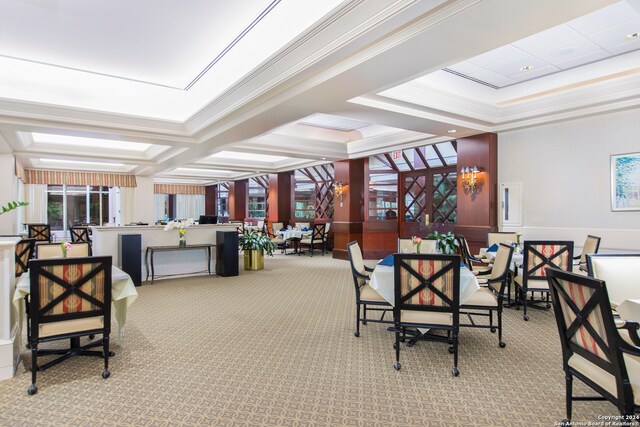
(493, 248)
(388, 261)
(283, 229)
(463, 265)
(304, 229)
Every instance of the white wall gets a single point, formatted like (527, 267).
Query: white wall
(565, 173)
(8, 193)
(143, 210)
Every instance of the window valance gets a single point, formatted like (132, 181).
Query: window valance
(53, 177)
(178, 189)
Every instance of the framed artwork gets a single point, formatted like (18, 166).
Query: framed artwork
(625, 182)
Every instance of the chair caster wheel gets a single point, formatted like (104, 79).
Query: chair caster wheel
(517, 307)
(28, 346)
(112, 354)
(33, 389)
(397, 366)
(395, 346)
(502, 344)
(364, 322)
(526, 318)
(357, 334)
(455, 372)
(548, 305)
(92, 336)
(493, 330)
(401, 339)
(451, 349)
(106, 374)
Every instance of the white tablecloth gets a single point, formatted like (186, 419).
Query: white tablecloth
(517, 258)
(382, 282)
(123, 294)
(292, 234)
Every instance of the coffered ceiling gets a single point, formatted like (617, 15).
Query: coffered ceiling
(227, 90)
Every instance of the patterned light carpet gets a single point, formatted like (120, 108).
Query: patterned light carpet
(276, 347)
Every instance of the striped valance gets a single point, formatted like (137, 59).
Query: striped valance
(79, 178)
(20, 172)
(178, 189)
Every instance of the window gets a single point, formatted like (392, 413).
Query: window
(223, 200)
(69, 205)
(179, 206)
(313, 192)
(258, 190)
(383, 196)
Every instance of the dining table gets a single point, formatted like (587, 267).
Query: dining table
(382, 281)
(293, 235)
(123, 294)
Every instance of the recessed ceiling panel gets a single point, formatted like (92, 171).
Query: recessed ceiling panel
(594, 37)
(167, 42)
(327, 121)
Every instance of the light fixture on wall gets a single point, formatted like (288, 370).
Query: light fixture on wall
(338, 190)
(470, 177)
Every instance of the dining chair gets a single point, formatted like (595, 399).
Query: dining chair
(325, 240)
(280, 243)
(40, 232)
(277, 226)
(498, 237)
(427, 295)
(70, 298)
(24, 253)
(593, 350)
(539, 255)
(54, 250)
(80, 235)
(490, 296)
(302, 225)
(620, 271)
(316, 238)
(428, 246)
(591, 246)
(367, 299)
(469, 259)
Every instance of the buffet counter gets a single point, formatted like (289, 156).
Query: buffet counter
(106, 241)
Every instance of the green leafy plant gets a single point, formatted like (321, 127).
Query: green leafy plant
(447, 243)
(253, 241)
(12, 205)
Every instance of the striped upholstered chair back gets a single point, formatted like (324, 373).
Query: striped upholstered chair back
(24, 252)
(539, 255)
(427, 282)
(40, 232)
(591, 344)
(54, 250)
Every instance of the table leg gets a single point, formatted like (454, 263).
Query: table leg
(146, 263)
(153, 272)
(209, 260)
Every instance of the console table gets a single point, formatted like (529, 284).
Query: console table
(153, 249)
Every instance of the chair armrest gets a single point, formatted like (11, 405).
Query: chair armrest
(482, 273)
(632, 329)
(367, 268)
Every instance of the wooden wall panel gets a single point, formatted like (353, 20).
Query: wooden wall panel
(211, 200)
(280, 197)
(348, 215)
(478, 209)
(379, 239)
(238, 194)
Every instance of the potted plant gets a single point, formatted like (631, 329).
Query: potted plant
(255, 245)
(446, 243)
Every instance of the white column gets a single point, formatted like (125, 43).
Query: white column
(8, 193)
(144, 205)
(10, 327)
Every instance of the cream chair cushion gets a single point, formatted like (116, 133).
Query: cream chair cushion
(48, 251)
(367, 293)
(427, 317)
(605, 379)
(482, 297)
(69, 326)
(621, 275)
(532, 284)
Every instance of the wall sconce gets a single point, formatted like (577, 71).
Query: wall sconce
(339, 190)
(469, 177)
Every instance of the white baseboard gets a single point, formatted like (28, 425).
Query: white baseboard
(9, 357)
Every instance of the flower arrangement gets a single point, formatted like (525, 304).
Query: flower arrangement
(66, 248)
(182, 229)
(417, 241)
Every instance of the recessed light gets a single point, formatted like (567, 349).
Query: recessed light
(324, 158)
(526, 68)
(452, 131)
(632, 36)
